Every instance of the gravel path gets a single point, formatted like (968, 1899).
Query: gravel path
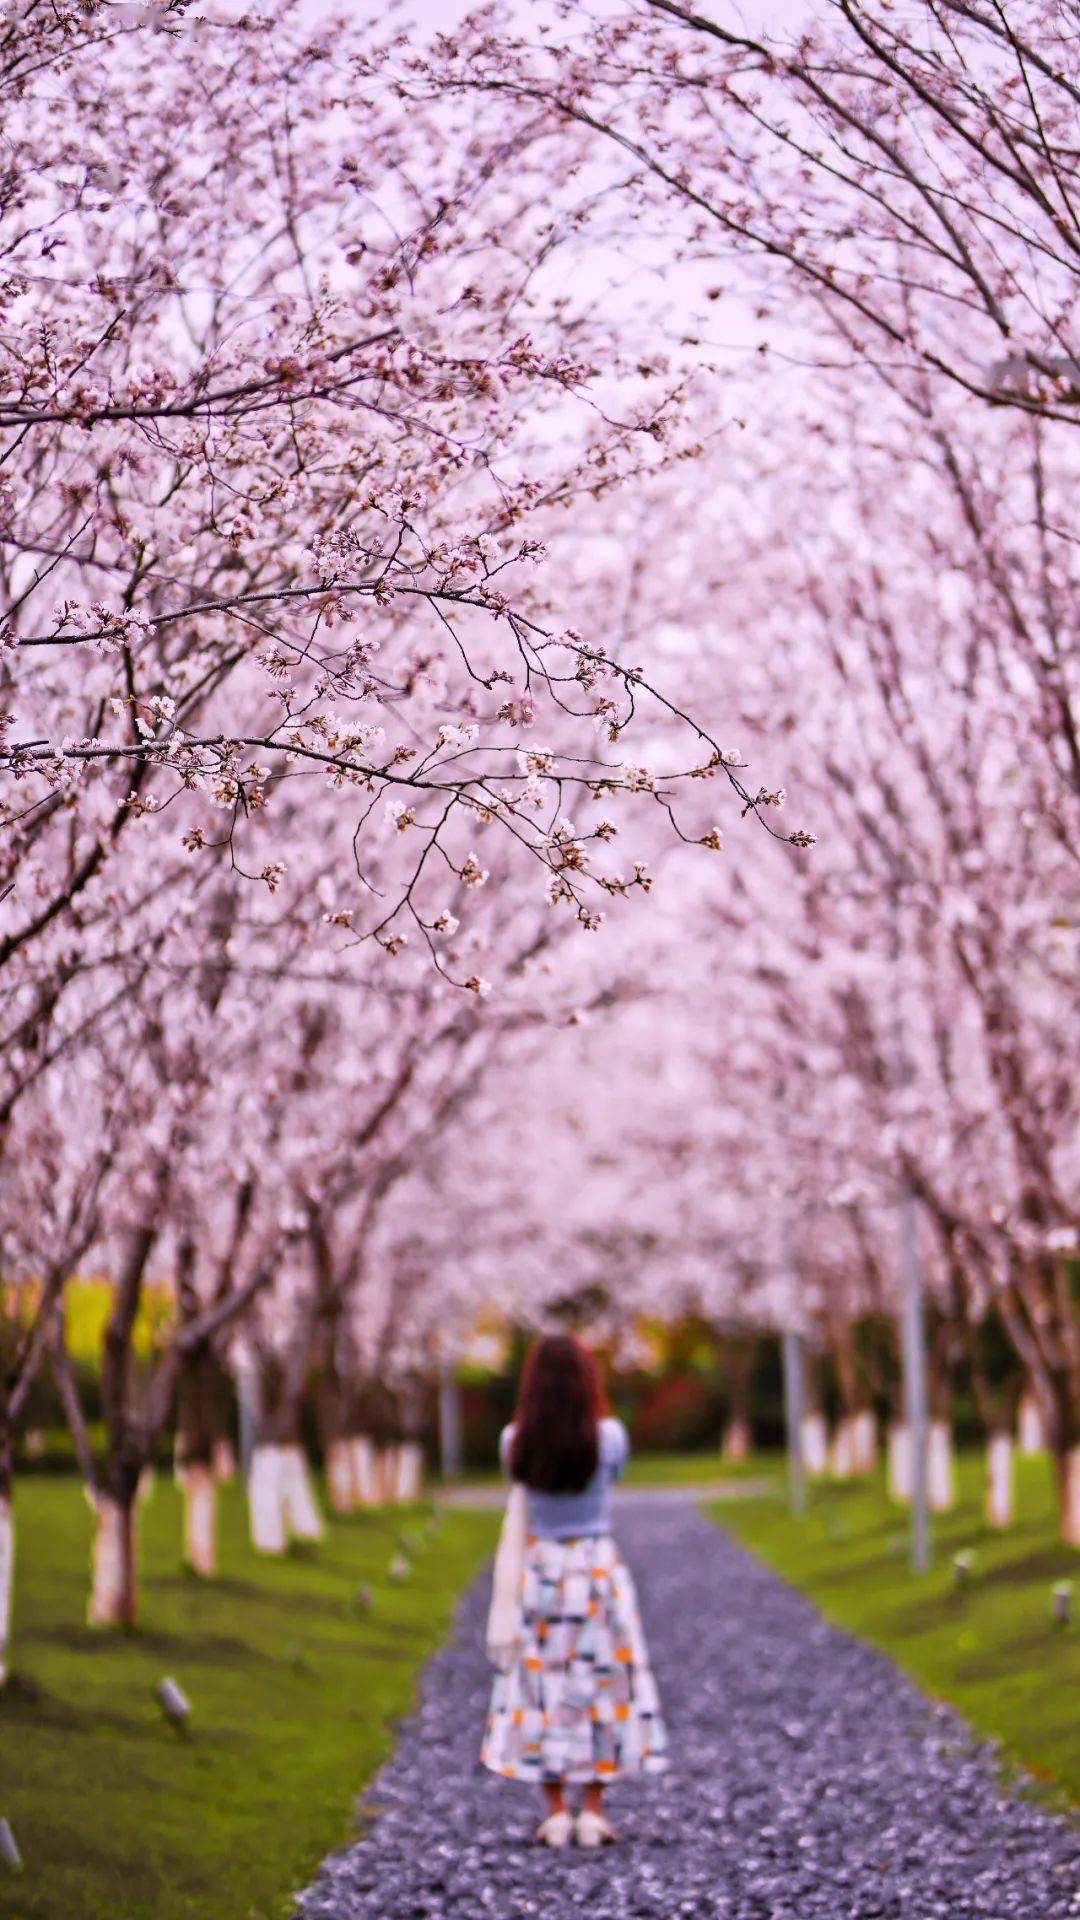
(811, 1781)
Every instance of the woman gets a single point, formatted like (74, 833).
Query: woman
(577, 1705)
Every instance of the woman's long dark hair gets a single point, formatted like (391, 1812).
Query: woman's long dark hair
(556, 1446)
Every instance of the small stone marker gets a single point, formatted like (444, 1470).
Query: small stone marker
(1061, 1594)
(399, 1567)
(963, 1567)
(9, 1851)
(174, 1704)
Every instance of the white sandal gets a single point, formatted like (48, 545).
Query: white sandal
(556, 1830)
(594, 1831)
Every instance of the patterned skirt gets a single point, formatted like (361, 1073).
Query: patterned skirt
(579, 1702)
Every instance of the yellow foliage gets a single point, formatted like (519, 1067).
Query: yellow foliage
(87, 1305)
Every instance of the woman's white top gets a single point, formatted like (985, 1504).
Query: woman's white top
(563, 1516)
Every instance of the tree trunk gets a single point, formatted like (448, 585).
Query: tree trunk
(999, 1479)
(224, 1460)
(1031, 1436)
(864, 1441)
(1041, 1316)
(68, 1391)
(899, 1468)
(737, 1440)
(1062, 1407)
(386, 1474)
(332, 1415)
(995, 1382)
(200, 1519)
(854, 1447)
(740, 1362)
(333, 1411)
(815, 1444)
(272, 1481)
(204, 1394)
(340, 1478)
(302, 1517)
(203, 1409)
(7, 1555)
(410, 1472)
(939, 1467)
(842, 1450)
(280, 1497)
(113, 1584)
(1067, 1464)
(266, 1507)
(365, 1470)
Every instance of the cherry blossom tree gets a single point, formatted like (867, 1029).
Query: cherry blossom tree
(288, 417)
(51, 1214)
(391, 592)
(910, 166)
(927, 951)
(893, 1006)
(283, 405)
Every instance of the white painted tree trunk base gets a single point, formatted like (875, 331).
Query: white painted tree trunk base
(200, 1520)
(266, 1508)
(410, 1472)
(939, 1467)
(386, 1474)
(107, 1606)
(1031, 1428)
(340, 1478)
(842, 1451)
(864, 1442)
(302, 1517)
(999, 1480)
(815, 1445)
(899, 1463)
(1070, 1498)
(364, 1466)
(7, 1581)
(736, 1442)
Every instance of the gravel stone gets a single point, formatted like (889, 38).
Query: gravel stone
(810, 1779)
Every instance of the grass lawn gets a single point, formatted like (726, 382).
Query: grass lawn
(294, 1692)
(698, 1469)
(991, 1650)
(671, 1470)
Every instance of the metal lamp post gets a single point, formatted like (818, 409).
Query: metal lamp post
(913, 1353)
(794, 1407)
(913, 1307)
(449, 1423)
